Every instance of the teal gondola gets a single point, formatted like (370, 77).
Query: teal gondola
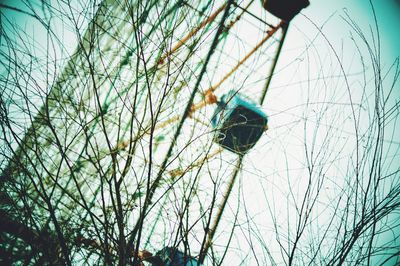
(238, 123)
(285, 9)
(170, 256)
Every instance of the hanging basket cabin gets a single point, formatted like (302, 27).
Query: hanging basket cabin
(285, 9)
(238, 123)
(170, 256)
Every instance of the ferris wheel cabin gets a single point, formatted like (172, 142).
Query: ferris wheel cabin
(170, 256)
(238, 123)
(285, 9)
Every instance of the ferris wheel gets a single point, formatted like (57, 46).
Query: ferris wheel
(138, 150)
